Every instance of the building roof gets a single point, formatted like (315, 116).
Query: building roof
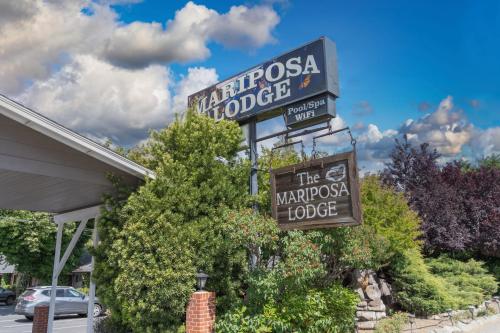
(47, 167)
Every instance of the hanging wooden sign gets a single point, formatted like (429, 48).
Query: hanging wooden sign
(320, 193)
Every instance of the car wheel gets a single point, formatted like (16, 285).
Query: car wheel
(30, 318)
(97, 310)
(10, 300)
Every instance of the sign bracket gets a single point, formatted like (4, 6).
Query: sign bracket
(353, 140)
(288, 131)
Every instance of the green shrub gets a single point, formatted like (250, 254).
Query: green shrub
(469, 281)
(317, 311)
(241, 321)
(330, 310)
(392, 324)
(109, 325)
(434, 285)
(153, 244)
(388, 213)
(416, 289)
(493, 266)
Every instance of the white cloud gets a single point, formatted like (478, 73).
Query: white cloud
(100, 100)
(72, 60)
(444, 129)
(250, 27)
(12, 11)
(31, 48)
(38, 36)
(486, 142)
(185, 38)
(197, 79)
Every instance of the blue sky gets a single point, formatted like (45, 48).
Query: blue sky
(394, 55)
(428, 69)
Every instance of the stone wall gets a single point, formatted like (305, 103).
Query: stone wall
(372, 292)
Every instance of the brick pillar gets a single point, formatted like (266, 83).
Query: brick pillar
(200, 314)
(41, 319)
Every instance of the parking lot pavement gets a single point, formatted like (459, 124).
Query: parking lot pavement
(12, 323)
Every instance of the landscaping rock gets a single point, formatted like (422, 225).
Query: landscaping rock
(371, 278)
(366, 325)
(385, 288)
(373, 292)
(366, 315)
(360, 292)
(362, 304)
(380, 308)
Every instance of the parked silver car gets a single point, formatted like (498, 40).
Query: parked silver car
(68, 301)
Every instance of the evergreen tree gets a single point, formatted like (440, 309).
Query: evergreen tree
(172, 226)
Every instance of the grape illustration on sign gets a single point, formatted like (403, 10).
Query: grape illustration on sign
(317, 194)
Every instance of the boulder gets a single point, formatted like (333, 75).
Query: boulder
(384, 287)
(373, 292)
(380, 308)
(371, 278)
(362, 304)
(361, 294)
(361, 278)
(366, 325)
(375, 303)
(366, 315)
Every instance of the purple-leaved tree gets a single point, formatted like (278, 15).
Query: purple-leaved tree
(458, 205)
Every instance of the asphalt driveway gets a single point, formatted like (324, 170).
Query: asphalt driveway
(12, 323)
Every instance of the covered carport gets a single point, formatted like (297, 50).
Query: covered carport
(49, 168)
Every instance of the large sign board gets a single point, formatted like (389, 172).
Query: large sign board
(297, 77)
(320, 193)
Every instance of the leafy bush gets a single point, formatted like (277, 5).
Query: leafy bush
(241, 321)
(109, 325)
(493, 266)
(392, 324)
(172, 226)
(317, 311)
(416, 288)
(388, 213)
(434, 285)
(470, 283)
(329, 310)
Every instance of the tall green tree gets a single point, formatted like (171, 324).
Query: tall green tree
(27, 240)
(154, 243)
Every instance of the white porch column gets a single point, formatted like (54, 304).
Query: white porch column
(90, 309)
(83, 215)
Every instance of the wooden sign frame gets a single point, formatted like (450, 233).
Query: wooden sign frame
(354, 204)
